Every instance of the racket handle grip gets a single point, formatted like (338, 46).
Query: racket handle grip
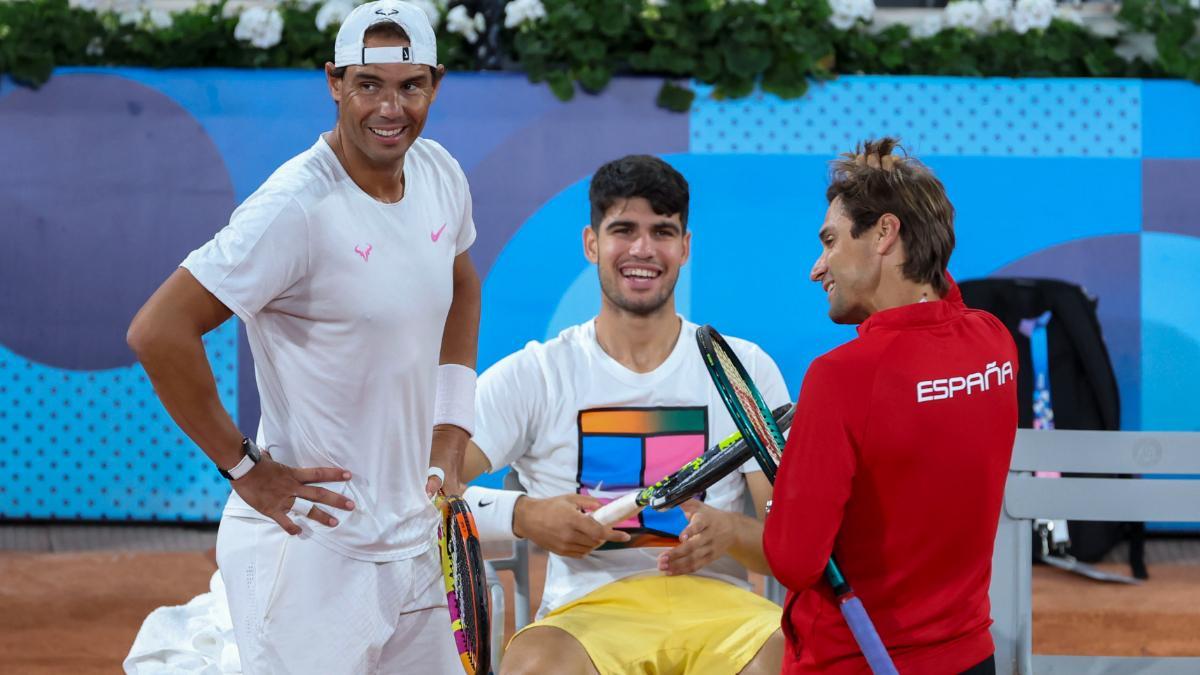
(618, 509)
(866, 636)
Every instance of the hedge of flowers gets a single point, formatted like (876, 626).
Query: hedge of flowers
(735, 45)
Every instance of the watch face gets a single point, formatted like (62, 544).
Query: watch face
(251, 450)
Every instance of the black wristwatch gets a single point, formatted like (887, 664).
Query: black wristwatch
(250, 457)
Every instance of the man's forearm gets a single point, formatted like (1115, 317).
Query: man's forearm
(460, 339)
(182, 377)
(453, 419)
(748, 549)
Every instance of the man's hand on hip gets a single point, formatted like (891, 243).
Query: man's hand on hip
(562, 525)
(278, 491)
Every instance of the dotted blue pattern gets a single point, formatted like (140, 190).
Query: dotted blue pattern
(933, 116)
(98, 445)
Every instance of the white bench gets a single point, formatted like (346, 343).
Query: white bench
(1102, 499)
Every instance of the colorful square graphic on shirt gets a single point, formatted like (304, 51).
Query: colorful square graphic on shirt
(623, 449)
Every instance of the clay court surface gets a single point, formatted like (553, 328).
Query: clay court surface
(78, 611)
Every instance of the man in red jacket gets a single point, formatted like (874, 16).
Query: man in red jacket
(897, 458)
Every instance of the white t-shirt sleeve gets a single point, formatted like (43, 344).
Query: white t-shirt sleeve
(258, 257)
(461, 205)
(508, 399)
(770, 384)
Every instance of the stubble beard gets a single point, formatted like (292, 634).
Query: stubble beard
(643, 308)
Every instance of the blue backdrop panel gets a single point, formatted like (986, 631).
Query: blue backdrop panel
(935, 115)
(97, 444)
(124, 171)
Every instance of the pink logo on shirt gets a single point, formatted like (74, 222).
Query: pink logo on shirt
(437, 235)
(365, 253)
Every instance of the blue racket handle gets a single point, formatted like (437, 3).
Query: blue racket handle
(866, 636)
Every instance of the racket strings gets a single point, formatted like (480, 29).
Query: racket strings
(467, 593)
(768, 437)
(465, 578)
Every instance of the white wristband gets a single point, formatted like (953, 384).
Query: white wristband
(455, 401)
(436, 471)
(493, 511)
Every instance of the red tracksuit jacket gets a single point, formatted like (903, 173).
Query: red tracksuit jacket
(896, 465)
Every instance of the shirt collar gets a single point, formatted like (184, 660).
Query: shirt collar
(918, 314)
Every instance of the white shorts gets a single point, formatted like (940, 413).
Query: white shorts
(298, 607)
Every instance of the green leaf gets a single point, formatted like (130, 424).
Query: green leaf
(745, 61)
(674, 97)
(614, 20)
(586, 50)
(594, 79)
(561, 85)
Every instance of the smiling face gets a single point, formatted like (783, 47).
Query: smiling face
(849, 269)
(382, 107)
(638, 254)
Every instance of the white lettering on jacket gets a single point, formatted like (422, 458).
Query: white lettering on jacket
(948, 387)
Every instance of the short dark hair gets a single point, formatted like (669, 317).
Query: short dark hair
(386, 29)
(639, 176)
(873, 181)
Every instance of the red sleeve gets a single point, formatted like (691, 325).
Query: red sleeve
(813, 482)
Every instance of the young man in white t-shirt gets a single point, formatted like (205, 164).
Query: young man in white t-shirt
(608, 406)
(349, 269)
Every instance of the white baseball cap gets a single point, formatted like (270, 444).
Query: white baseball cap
(348, 49)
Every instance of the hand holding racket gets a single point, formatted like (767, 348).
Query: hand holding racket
(691, 479)
(760, 431)
(466, 584)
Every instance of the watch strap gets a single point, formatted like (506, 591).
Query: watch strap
(250, 457)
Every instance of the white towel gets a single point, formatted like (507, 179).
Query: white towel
(194, 638)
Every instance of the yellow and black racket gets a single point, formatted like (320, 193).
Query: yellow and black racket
(691, 479)
(466, 584)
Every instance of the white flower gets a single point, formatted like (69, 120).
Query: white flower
(432, 9)
(95, 47)
(996, 11)
(333, 13)
(307, 4)
(846, 13)
(1032, 15)
(842, 21)
(160, 18)
(232, 9)
(1194, 4)
(1138, 46)
(653, 3)
(130, 17)
(260, 26)
(746, 2)
(461, 22)
(84, 4)
(1068, 14)
(126, 6)
(519, 12)
(963, 14)
(928, 26)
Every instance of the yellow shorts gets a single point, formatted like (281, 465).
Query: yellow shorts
(660, 624)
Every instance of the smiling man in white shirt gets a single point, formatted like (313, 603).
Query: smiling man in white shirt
(609, 406)
(349, 269)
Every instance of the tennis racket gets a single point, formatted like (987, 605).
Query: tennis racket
(466, 584)
(761, 433)
(691, 479)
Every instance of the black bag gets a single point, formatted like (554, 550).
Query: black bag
(1083, 387)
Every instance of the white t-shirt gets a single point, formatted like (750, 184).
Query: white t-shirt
(345, 299)
(571, 419)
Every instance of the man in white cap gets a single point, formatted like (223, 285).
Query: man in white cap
(349, 269)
